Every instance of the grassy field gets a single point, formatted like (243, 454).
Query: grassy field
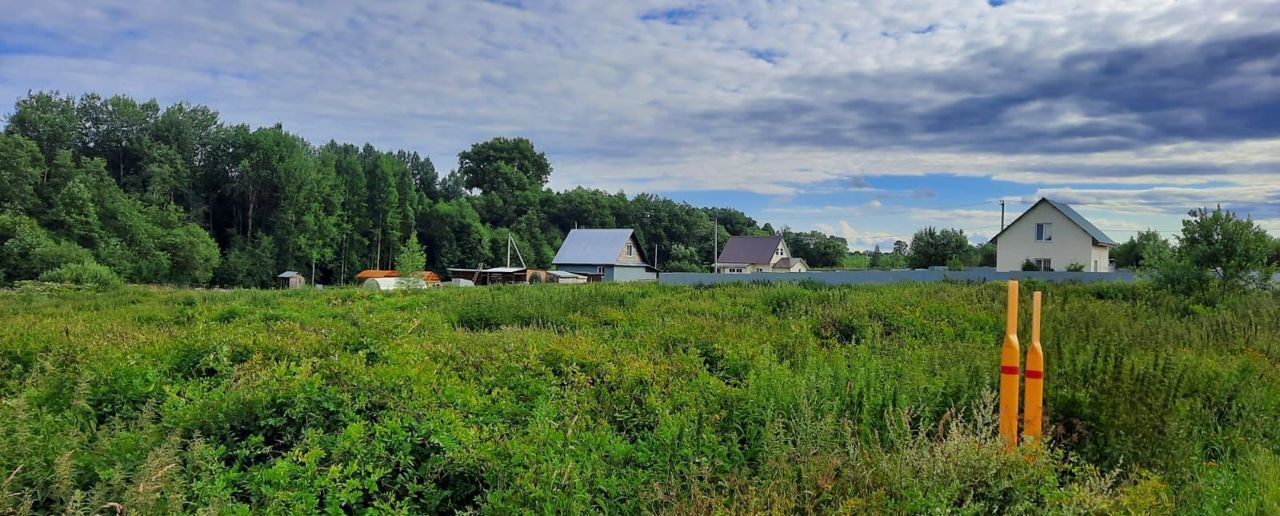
(628, 398)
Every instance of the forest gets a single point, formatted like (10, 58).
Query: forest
(175, 195)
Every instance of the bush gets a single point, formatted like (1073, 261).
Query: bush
(1075, 267)
(955, 264)
(1029, 265)
(84, 273)
(1219, 256)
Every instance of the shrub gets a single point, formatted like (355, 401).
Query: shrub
(1219, 255)
(84, 273)
(1029, 265)
(1075, 267)
(955, 264)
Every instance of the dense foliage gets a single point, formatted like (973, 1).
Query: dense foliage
(1142, 250)
(1218, 256)
(629, 398)
(932, 247)
(174, 195)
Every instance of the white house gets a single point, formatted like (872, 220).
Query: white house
(1053, 237)
(747, 254)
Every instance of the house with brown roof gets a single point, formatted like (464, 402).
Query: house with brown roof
(748, 254)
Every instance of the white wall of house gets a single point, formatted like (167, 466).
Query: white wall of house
(1069, 244)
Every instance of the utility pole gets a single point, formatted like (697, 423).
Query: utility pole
(1001, 214)
(715, 247)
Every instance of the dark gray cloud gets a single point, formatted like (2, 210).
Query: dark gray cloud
(1008, 102)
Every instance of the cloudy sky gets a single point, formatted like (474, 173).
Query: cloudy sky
(862, 119)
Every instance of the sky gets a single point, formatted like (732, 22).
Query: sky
(867, 120)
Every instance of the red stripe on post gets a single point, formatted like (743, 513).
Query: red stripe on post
(1009, 369)
(1035, 375)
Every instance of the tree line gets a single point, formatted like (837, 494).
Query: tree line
(172, 194)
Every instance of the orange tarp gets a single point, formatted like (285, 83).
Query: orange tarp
(428, 276)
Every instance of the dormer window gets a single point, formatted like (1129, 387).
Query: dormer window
(1044, 232)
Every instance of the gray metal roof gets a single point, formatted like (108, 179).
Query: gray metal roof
(565, 274)
(595, 247)
(1070, 213)
(749, 249)
(288, 274)
(505, 269)
(1084, 223)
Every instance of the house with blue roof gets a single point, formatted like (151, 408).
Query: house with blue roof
(605, 255)
(1053, 236)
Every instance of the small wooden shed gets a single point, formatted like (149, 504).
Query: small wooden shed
(291, 279)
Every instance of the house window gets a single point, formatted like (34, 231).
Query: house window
(735, 270)
(1044, 232)
(1044, 264)
(631, 250)
(599, 269)
(779, 253)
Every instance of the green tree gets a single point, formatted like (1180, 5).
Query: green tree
(21, 170)
(504, 166)
(900, 248)
(1218, 254)
(817, 249)
(509, 174)
(1144, 249)
(985, 255)
(49, 120)
(410, 262)
(930, 247)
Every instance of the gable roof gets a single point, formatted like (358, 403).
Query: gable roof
(1099, 238)
(595, 247)
(288, 274)
(749, 249)
(787, 263)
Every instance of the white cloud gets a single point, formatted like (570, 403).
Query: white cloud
(618, 101)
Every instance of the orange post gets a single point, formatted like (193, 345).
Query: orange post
(1010, 356)
(1033, 409)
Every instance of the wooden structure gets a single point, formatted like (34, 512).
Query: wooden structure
(291, 279)
(501, 275)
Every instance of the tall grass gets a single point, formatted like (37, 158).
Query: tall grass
(628, 398)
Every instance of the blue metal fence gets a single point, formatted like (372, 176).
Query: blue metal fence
(877, 277)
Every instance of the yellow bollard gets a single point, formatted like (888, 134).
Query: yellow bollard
(1032, 410)
(1009, 358)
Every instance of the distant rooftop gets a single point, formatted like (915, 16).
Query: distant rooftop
(595, 247)
(749, 249)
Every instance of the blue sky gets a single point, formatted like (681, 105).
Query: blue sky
(863, 119)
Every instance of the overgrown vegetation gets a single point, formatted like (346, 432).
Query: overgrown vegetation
(629, 398)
